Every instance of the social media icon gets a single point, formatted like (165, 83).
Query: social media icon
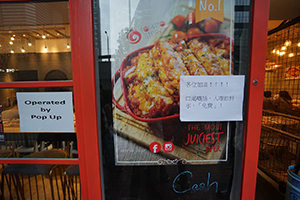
(168, 147)
(155, 147)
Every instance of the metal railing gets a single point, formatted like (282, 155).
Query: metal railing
(279, 144)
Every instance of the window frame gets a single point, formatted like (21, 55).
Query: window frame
(258, 52)
(83, 69)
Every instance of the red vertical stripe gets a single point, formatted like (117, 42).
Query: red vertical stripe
(260, 16)
(81, 23)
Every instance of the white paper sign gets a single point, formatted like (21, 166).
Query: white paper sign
(45, 111)
(211, 98)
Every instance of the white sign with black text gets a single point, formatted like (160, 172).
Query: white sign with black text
(211, 98)
(45, 111)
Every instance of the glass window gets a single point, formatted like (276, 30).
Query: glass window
(35, 46)
(25, 142)
(41, 181)
(35, 42)
(281, 116)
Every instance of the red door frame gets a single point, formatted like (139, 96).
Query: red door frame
(83, 56)
(258, 51)
(81, 24)
(84, 88)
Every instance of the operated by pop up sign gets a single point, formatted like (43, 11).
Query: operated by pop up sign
(45, 111)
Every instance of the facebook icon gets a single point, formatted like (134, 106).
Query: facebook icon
(155, 147)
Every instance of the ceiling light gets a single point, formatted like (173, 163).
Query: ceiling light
(24, 35)
(12, 38)
(44, 36)
(12, 50)
(37, 34)
(14, 35)
(45, 49)
(283, 48)
(10, 42)
(47, 34)
(277, 52)
(29, 43)
(274, 51)
(23, 50)
(299, 44)
(288, 43)
(291, 54)
(57, 34)
(282, 53)
(68, 46)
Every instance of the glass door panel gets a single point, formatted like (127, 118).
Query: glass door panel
(149, 150)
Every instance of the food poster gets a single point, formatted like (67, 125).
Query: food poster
(160, 42)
